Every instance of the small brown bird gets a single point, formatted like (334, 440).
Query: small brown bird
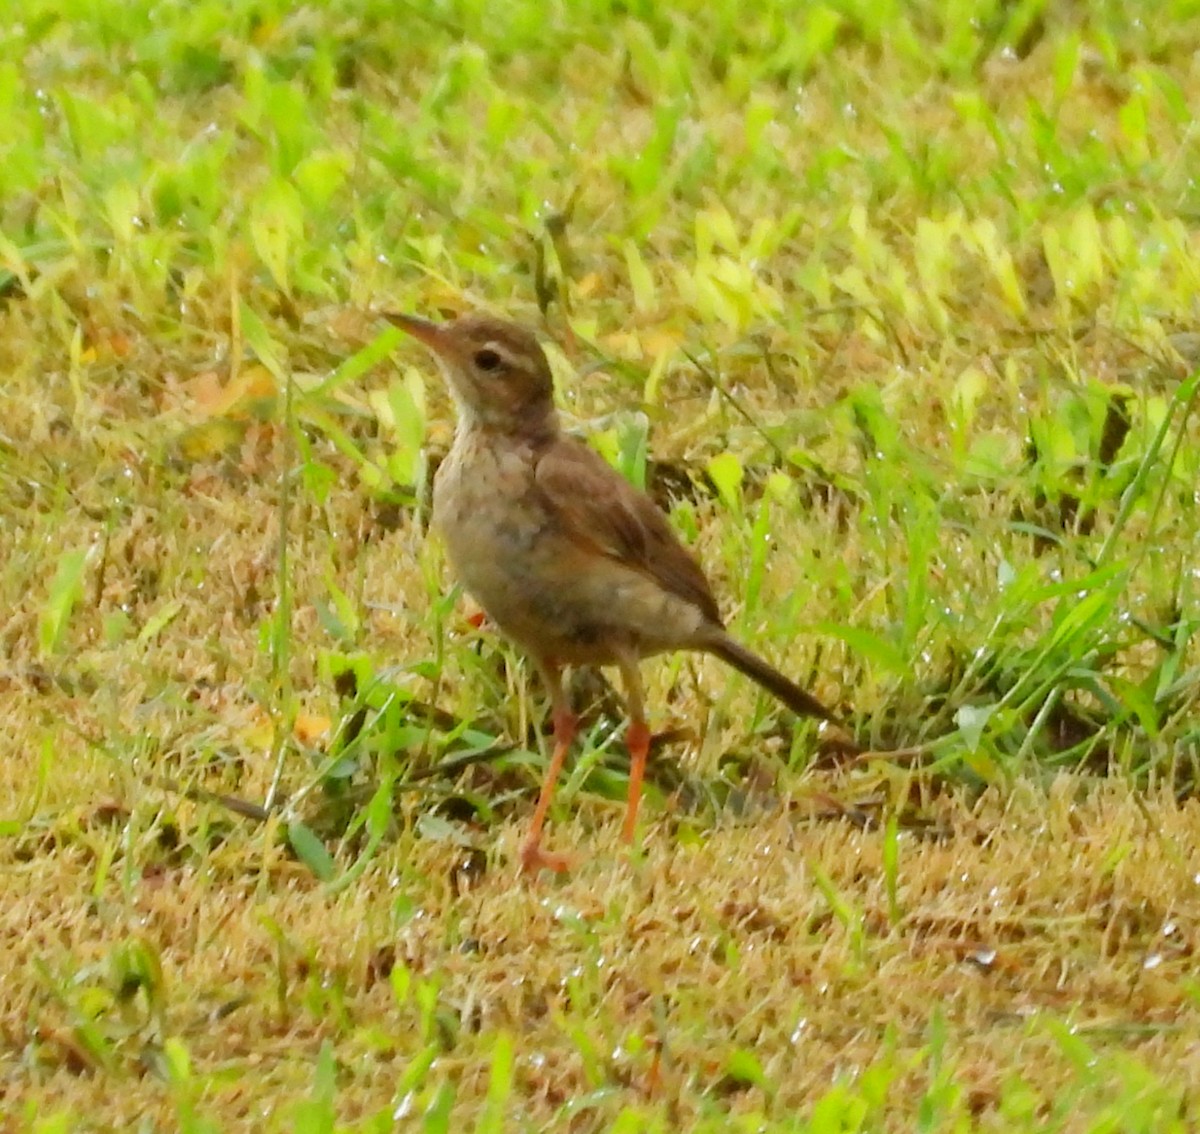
(569, 560)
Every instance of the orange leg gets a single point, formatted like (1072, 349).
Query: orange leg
(637, 740)
(533, 857)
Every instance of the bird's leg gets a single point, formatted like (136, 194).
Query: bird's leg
(637, 740)
(533, 857)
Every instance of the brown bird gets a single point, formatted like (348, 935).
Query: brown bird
(568, 559)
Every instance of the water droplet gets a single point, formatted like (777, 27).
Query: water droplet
(984, 958)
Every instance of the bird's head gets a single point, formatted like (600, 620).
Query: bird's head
(497, 370)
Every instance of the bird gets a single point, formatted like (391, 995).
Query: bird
(569, 560)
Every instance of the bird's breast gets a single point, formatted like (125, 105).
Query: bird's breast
(490, 518)
(543, 588)
(484, 501)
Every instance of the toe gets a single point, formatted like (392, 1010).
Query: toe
(535, 857)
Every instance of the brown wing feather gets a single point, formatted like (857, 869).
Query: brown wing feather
(601, 509)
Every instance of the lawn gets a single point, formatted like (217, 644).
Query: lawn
(893, 307)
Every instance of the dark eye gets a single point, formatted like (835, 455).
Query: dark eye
(487, 360)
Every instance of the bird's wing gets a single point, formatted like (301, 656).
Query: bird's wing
(601, 511)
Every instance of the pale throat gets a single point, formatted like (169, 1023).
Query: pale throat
(535, 420)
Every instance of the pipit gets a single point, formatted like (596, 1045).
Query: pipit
(568, 559)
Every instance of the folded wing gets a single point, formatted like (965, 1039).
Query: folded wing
(600, 510)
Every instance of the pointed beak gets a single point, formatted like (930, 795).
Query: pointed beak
(433, 335)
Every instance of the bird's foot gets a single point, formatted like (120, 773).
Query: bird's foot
(535, 857)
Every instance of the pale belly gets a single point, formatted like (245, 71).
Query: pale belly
(509, 553)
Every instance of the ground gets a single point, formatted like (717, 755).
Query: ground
(892, 307)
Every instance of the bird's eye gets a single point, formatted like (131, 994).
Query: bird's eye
(487, 360)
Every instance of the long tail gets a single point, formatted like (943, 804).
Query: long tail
(798, 700)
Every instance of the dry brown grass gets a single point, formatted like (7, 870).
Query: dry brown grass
(637, 980)
(926, 272)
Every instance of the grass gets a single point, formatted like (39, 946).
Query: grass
(892, 306)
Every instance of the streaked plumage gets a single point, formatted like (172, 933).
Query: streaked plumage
(565, 556)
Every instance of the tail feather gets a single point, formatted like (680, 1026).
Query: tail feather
(798, 700)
